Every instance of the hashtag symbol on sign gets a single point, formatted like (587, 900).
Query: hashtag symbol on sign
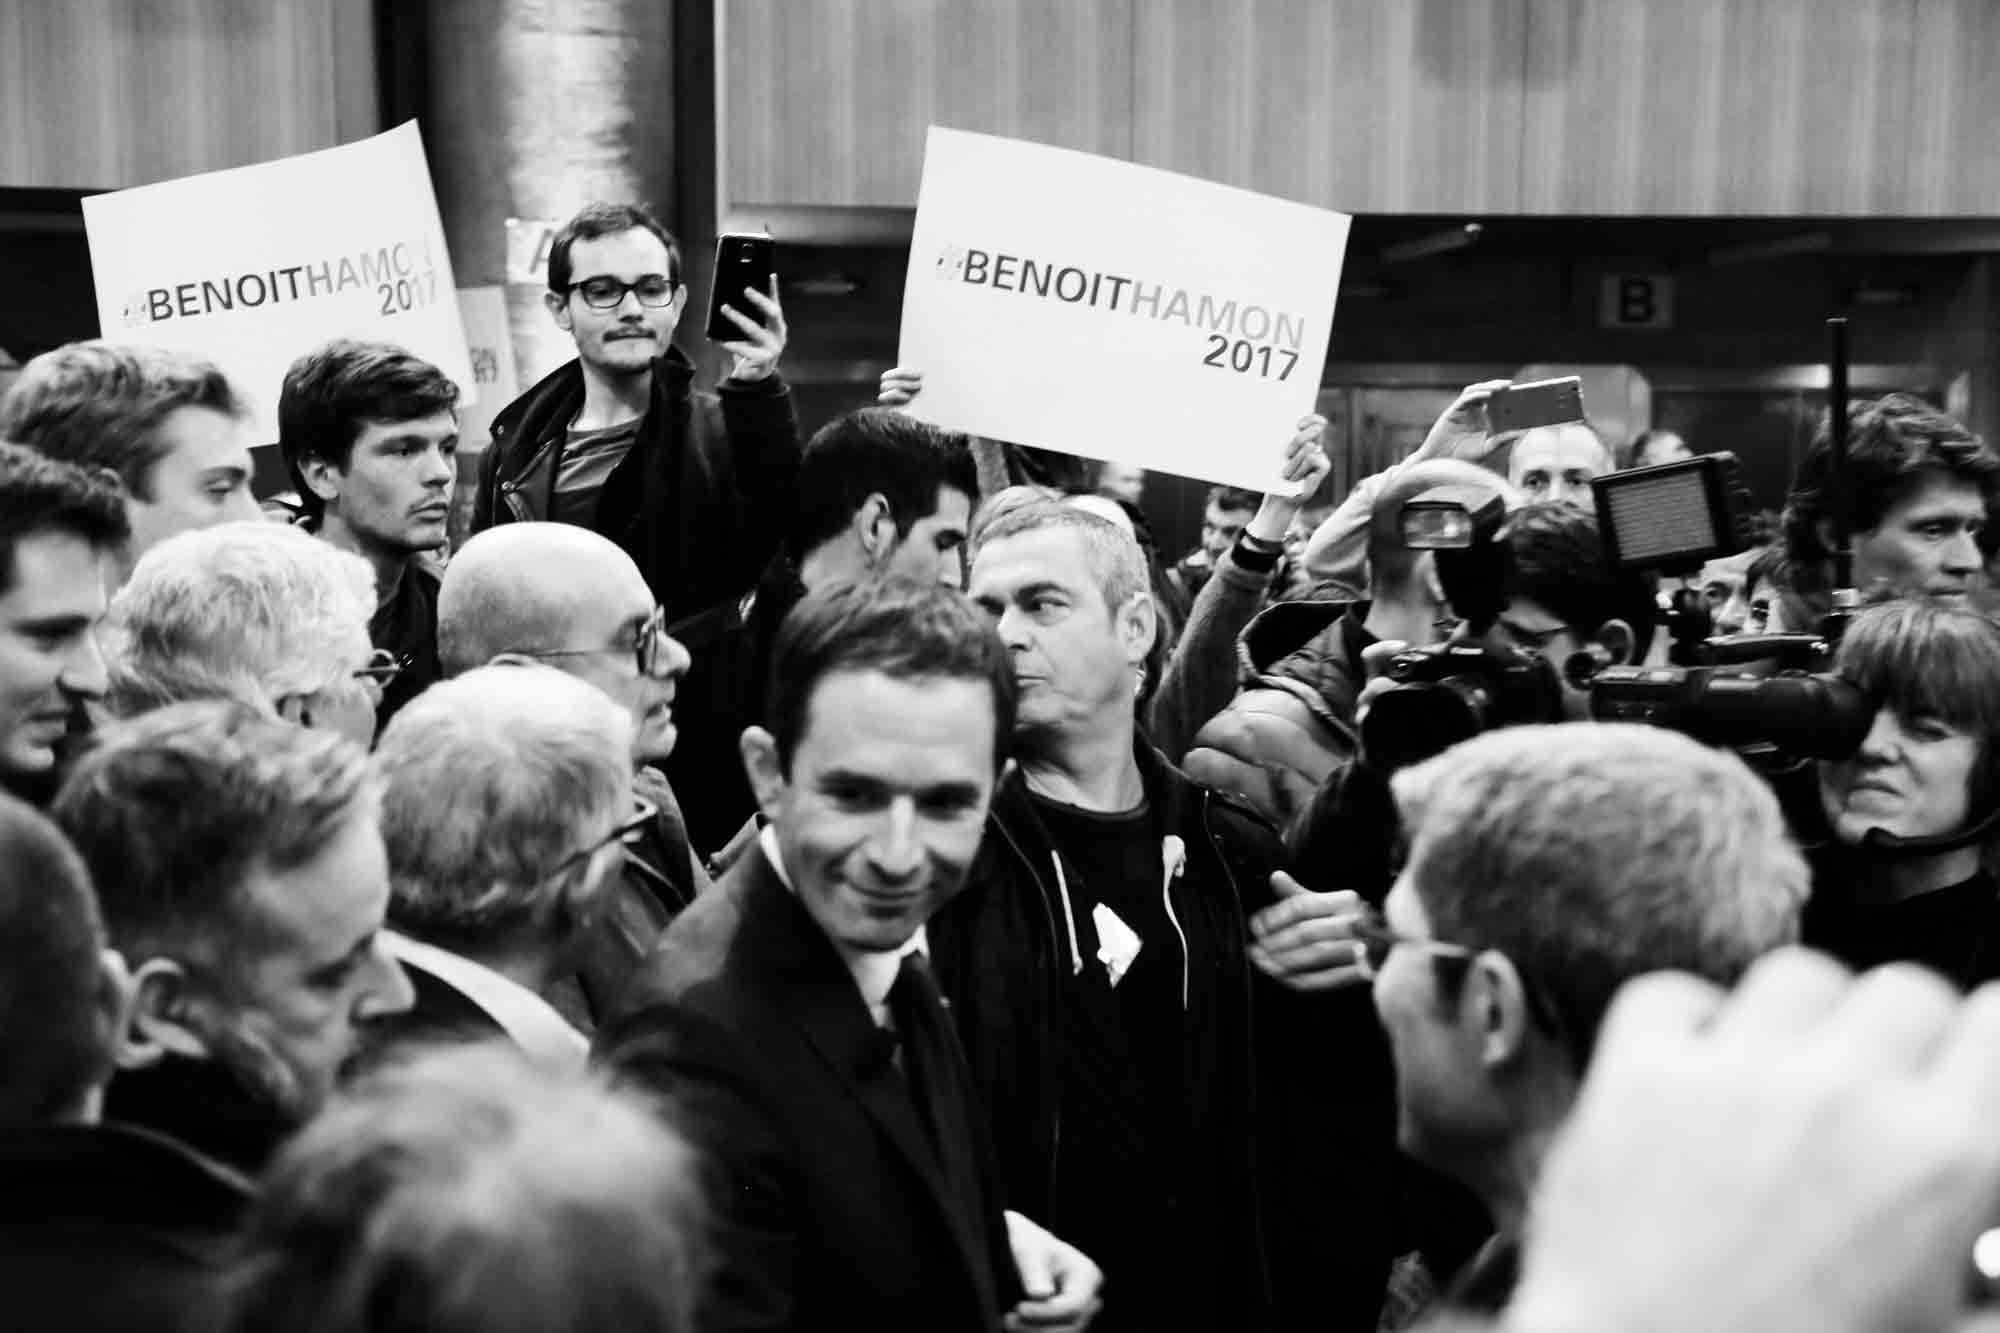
(950, 262)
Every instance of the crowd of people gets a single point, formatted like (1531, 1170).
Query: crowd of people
(756, 884)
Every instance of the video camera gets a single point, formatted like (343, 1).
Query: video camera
(1450, 692)
(1767, 696)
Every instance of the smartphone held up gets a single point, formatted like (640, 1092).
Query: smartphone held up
(1540, 403)
(740, 261)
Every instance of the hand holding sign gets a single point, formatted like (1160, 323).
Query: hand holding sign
(899, 385)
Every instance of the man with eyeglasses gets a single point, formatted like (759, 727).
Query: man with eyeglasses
(259, 612)
(617, 440)
(511, 595)
(1546, 866)
(507, 794)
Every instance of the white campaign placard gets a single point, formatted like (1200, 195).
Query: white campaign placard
(254, 266)
(1085, 304)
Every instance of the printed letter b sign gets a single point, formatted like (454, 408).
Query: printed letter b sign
(1636, 301)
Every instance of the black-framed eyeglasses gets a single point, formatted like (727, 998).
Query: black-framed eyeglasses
(382, 668)
(653, 290)
(649, 645)
(627, 831)
(1377, 941)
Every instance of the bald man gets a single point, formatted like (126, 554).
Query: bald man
(1557, 463)
(568, 597)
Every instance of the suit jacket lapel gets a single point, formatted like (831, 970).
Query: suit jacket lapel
(828, 1008)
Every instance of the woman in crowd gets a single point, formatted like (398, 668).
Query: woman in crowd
(1900, 874)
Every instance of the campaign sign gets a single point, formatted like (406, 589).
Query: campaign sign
(1079, 303)
(254, 266)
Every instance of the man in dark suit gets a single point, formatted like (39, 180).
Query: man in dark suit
(790, 1016)
(507, 793)
(102, 1226)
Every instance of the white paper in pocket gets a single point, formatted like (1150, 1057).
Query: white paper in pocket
(1117, 943)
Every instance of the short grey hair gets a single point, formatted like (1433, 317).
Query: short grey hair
(467, 1191)
(1116, 563)
(254, 611)
(492, 780)
(172, 811)
(1591, 853)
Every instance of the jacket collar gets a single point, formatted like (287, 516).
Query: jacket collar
(558, 395)
(203, 1105)
(1170, 792)
(112, 1170)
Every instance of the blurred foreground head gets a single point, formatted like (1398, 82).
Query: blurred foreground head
(466, 1191)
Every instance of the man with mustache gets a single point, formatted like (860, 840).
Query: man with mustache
(370, 434)
(619, 442)
(239, 863)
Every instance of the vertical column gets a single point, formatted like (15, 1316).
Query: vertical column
(533, 108)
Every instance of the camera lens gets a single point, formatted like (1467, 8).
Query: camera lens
(1410, 723)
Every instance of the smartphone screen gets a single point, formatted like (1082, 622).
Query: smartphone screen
(740, 261)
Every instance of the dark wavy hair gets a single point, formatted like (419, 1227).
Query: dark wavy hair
(875, 451)
(1895, 444)
(601, 219)
(332, 393)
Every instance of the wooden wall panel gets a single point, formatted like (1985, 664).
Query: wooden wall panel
(110, 93)
(825, 102)
(1357, 105)
(1951, 166)
(1720, 106)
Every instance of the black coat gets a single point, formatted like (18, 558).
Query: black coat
(829, 1202)
(699, 503)
(111, 1228)
(1301, 1231)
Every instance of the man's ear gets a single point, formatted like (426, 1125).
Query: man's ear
(1616, 638)
(161, 1021)
(295, 708)
(1499, 998)
(116, 994)
(321, 478)
(874, 528)
(1138, 622)
(558, 305)
(766, 774)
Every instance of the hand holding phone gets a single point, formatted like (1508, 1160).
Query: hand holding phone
(740, 262)
(1541, 403)
(744, 314)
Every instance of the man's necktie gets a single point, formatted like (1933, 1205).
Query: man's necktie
(930, 1064)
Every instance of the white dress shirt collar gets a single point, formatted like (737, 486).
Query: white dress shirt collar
(532, 1022)
(874, 970)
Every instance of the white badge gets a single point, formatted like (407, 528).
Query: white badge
(1117, 943)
